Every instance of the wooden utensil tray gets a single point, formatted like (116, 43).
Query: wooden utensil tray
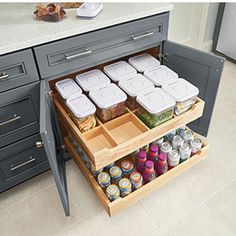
(121, 203)
(115, 139)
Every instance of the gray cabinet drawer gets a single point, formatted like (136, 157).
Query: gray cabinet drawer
(87, 50)
(19, 113)
(17, 69)
(21, 161)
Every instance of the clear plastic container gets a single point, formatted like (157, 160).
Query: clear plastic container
(133, 86)
(160, 75)
(67, 88)
(119, 70)
(183, 92)
(143, 62)
(92, 79)
(82, 110)
(110, 101)
(157, 107)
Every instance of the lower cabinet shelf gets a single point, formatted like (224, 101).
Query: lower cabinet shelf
(121, 203)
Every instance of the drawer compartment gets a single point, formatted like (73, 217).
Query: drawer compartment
(20, 161)
(17, 69)
(90, 49)
(121, 203)
(19, 113)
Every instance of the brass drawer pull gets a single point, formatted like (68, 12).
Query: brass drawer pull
(3, 76)
(70, 57)
(15, 118)
(32, 159)
(147, 34)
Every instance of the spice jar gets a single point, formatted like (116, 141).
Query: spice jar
(116, 174)
(126, 167)
(112, 192)
(185, 152)
(173, 159)
(104, 179)
(125, 187)
(136, 180)
(177, 141)
(196, 145)
(188, 135)
(165, 148)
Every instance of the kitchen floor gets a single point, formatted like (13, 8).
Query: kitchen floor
(201, 201)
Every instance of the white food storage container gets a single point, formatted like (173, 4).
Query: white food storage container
(184, 93)
(67, 88)
(157, 107)
(143, 62)
(119, 70)
(160, 75)
(110, 101)
(133, 86)
(92, 79)
(83, 111)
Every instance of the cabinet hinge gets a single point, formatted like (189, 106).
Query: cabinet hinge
(163, 56)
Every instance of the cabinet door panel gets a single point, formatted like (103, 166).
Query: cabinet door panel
(50, 143)
(201, 69)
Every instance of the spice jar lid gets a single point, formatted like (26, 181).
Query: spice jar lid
(103, 177)
(160, 75)
(80, 106)
(126, 165)
(119, 70)
(155, 100)
(135, 177)
(135, 84)
(143, 62)
(181, 90)
(107, 96)
(115, 171)
(67, 87)
(125, 183)
(92, 79)
(112, 190)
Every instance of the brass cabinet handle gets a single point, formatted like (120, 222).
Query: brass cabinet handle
(32, 159)
(15, 118)
(3, 76)
(70, 57)
(147, 34)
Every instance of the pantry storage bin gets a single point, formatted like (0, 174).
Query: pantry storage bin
(143, 62)
(92, 79)
(110, 101)
(133, 86)
(82, 112)
(183, 92)
(157, 107)
(160, 75)
(67, 88)
(119, 70)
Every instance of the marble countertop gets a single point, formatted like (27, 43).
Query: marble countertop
(19, 30)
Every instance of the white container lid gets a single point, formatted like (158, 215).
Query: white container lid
(143, 62)
(160, 75)
(107, 96)
(92, 79)
(155, 101)
(119, 70)
(135, 84)
(67, 88)
(81, 106)
(181, 90)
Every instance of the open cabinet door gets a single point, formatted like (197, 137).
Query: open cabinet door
(50, 139)
(201, 69)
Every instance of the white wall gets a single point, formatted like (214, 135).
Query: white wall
(193, 24)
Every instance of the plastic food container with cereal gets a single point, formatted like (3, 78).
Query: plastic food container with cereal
(183, 92)
(143, 62)
(92, 79)
(133, 86)
(157, 107)
(82, 112)
(67, 88)
(110, 101)
(160, 75)
(119, 70)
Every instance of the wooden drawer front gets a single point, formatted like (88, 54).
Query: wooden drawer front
(19, 113)
(121, 203)
(17, 69)
(93, 48)
(18, 159)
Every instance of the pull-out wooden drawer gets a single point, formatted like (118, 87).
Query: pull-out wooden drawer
(121, 203)
(110, 141)
(19, 113)
(20, 161)
(90, 49)
(17, 69)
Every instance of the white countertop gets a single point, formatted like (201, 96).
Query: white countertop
(19, 30)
